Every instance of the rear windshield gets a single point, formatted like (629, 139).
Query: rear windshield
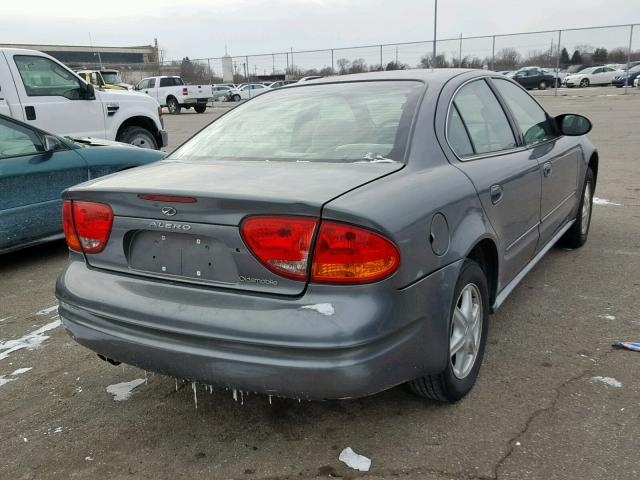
(347, 122)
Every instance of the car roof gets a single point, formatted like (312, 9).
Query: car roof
(436, 76)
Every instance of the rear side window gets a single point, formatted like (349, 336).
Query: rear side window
(166, 82)
(457, 134)
(484, 119)
(43, 77)
(530, 117)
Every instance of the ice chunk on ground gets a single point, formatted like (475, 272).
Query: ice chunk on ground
(122, 391)
(604, 201)
(4, 381)
(30, 341)
(322, 308)
(48, 310)
(20, 371)
(355, 461)
(608, 380)
(607, 317)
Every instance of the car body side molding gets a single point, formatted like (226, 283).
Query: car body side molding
(504, 293)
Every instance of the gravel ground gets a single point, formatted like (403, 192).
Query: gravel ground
(536, 413)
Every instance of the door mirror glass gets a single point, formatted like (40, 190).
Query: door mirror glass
(573, 125)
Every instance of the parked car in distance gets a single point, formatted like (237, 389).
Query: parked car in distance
(270, 264)
(281, 83)
(95, 78)
(626, 78)
(306, 79)
(171, 92)
(36, 166)
(507, 73)
(39, 90)
(534, 77)
(247, 91)
(220, 92)
(591, 76)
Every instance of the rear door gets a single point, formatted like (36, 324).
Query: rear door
(52, 98)
(31, 182)
(559, 157)
(506, 178)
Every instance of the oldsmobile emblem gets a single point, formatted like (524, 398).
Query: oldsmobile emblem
(169, 211)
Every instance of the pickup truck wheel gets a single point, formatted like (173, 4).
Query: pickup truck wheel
(138, 136)
(235, 98)
(576, 236)
(200, 108)
(468, 328)
(173, 106)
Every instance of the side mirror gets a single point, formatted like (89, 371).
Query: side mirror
(51, 143)
(89, 91)
(573, 125)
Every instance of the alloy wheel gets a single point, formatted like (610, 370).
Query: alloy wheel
(586, 209)
(466, 330)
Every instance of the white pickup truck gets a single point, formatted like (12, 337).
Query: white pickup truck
(41, 91)
(171, 92)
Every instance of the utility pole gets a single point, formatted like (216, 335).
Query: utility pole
(626, 81)
(435, 26)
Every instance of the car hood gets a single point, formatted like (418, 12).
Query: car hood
(98, 142)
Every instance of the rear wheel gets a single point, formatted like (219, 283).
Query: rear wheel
(173, 106)
(542, 85)
(584, 82)
(138, 136)
(468, 327)
(200, 108)
(577, 235)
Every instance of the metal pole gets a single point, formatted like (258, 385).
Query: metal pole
(493, 54)
(556, 77)
(292, 65)
(626, 81)
(273, 64)
(209, 65)
(333, 70)
(460, 54)
(435, 26)
(246, 74)
(381, 67)
(287, 71)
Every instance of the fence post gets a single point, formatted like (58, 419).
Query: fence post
(287, 70)
(493, 54)
(381, 67)
(247, 72)
(333, 69)
(556, 76)
(460, 52)
(626, 81)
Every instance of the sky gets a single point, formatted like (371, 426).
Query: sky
(202, 28)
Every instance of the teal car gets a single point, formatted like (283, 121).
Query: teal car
(36, 166)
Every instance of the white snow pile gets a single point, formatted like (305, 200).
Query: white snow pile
(604, 201)
(612, 382)
(322, 308)
(48, 310)
(122, 391)
(20, 371)
(352, 460)
(30, 341)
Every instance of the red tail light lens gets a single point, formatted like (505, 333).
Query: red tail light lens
(87, 225)
(343, 253)
(348, 254)
(185, 91)
(282, 244)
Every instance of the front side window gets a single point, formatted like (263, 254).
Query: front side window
(43, 77)
(530, 117)
(152, 83)
(16, 140)
(143, 84)
(348, 122)
(484, 118)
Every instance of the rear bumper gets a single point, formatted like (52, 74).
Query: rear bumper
(372, 340)
(195, 101)
(164, 138)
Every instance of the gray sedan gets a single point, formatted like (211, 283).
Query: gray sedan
(332, 239)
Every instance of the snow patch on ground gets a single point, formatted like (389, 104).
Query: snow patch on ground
(355, 461)
(608, 380)
(4, 381)
(48, 310)
(20, 371)
(5, 318)
(122, 391)
(606, 316)
(30, 341)
(323, 308)
(604, 201)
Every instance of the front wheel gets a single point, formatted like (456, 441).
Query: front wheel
(577, 235)
(584, 82)
(138, 136)
(200, 108)
(236, 98)
(468, 328)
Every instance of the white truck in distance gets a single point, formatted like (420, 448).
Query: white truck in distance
(39, 90)
(171, 92)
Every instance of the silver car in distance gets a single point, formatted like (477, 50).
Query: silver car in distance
(331, 239)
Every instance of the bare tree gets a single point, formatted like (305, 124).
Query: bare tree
(358, 66)
(344, 66)
(507, 59)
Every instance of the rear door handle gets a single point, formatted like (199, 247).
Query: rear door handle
(496, 193)
(547, 168)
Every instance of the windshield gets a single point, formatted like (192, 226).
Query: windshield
(112, 78)
(341, 122)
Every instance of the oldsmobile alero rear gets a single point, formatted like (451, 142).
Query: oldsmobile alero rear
(330, 239)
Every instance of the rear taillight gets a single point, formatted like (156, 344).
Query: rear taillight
(282, 244)
(349, 254)
(343, 253)
(86, 225)
(185, 91)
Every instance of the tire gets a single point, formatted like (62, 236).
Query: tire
(457, 380)
(200, 108)
(584, 82)
(236, 98)
(138, 136)
(173, 106)
(577, 235)
(542, 85)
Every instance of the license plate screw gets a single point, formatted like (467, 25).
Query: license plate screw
(164, 269)
(197, 241)
(164, 237)
(198, 273)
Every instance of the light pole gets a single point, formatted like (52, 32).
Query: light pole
(435, 26)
